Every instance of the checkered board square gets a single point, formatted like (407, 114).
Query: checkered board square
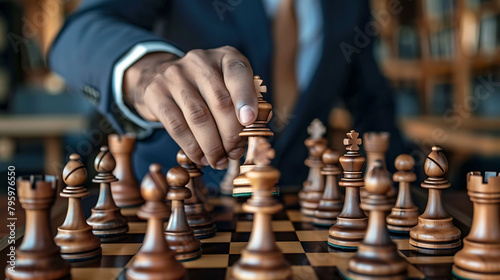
(303, 245)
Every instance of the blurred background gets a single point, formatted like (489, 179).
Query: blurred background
(441, 56)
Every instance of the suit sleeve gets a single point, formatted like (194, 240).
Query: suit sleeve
(94, 38)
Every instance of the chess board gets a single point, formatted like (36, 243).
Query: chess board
(304, 247)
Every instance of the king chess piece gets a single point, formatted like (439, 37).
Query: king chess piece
(179, 235)
(198, 218)
(404, 214)
(254, 131)
(314, 185)
(106, 219)
(332, 201)
(350, 228)
(125, 191)
(480, 256)
(261, 258)
(38, 257)
(74, 236)
(376, 145)
(377, 256)
(435, 232)
(155, 260)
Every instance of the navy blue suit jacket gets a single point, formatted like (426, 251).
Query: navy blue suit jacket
(102, 31)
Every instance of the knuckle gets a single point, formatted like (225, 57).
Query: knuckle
(177, 126)
(198, 114)
(192, 150)
(235, 64)
(222, 99)
(232, 140)
(228, 48)
(196, 54)
(173, 70)
(215, 152)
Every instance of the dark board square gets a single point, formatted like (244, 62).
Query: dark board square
(280, 216)
(244, 217)
(215, 248)
(280, 236)
(240, 236)
(327, 272)
(134, 219)
(233, 258)
(224, 226)
(104, 261)
(297, 259)
(316, 247)
(303, 226)
(131, 238)
(206, 273)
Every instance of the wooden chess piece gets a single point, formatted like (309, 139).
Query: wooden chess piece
(179, 235)
(254, 131)
(155, 260)
(261, 258)
(74, 236)
(332, 201)
(377, 256)
(198, 218)
(106, 219)
(314, 189)
(376, 145)
(435, 232)
(233, 170)
(313, 181)
(404, 214)
(125, 191)
(350, 228)
(38, 257)
(480, 256)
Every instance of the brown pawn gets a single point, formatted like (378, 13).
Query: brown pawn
(254, 131)
(314, 180)
(198, 218)
(74, 236)
(350, 228)
(106, 219)
(155, 260)
(404, 214)
(125, 191)
(480, 256)
(38, 257)
(435, 232)
(376, 145)
(261, 258)
(377, 256)
(179, 235)
(314, 188)
(332, 201)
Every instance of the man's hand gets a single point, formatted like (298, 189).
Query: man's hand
(203, 99)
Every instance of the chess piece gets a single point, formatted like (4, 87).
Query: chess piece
(198, 218)
(404, 214)
(377, 256)
(376, 145)
(106, 219)
(480, 256)
(125, 191)
(332, 201)
(435, 232)
(179, 235)
(155, 260)
(314, 188)
(350, 228)
(38, 256)
(74, 236)
(233, 170)
(254, 131)
(262, 259)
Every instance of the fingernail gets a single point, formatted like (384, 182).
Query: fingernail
(204, 161)
(236, 153)
(222, 163)
(246, 115)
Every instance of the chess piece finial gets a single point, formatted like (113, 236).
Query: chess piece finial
(404, 214)
(332, 201)
(154, 185)
(435, 232)
(179, 235)
(350, 228)
(480, 256)
(74, 236)
(259, 86)
(377, 255)
(104, 162)
(316, 129)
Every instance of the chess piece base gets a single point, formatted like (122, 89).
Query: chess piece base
(327, 212)
(155, 267)
(39, 266)
(246, 191)
(107, 223)
(477, 261)
(402, 220)
(78, 245)
(311, 203)
(186, 246)
(82, 256)
(435, 236)
(347, 233)
(256, 265)
(378, 261)
(203, 232)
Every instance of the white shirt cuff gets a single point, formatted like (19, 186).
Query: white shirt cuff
(137, 52)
